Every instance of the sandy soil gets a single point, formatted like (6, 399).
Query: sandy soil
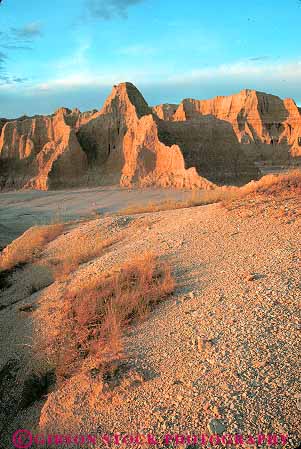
(20, 210)
(223, 351)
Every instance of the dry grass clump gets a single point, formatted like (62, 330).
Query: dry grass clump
(28, 245)
(289, 183)
(96, 314)
(279, 186)
(133, 209)
(197, 198)
(81, 251)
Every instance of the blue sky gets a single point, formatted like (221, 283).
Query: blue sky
(70, 52)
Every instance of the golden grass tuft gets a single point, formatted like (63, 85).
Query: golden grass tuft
(286, 183)
(96, 314)
(280, 186)
(283, 184)
(28, 245)
(137, 208)
(197, 198)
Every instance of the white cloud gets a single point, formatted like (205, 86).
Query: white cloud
(78, 59)
(246, 69)
(77, 73)
(85, 87)
(28, 31)
(108, 9)
(71, 81)
(86, 77)
(138, 50)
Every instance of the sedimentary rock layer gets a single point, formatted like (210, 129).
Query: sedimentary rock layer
(40, 152)
(256, 117)
(126, 141)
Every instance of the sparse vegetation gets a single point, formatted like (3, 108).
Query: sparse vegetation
(82, 251)
(289, 183)
(152, 207)
(276, 184)
(197, 198)
(28, 246)
(95, 314)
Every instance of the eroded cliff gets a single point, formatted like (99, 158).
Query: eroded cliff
(258, 119)
(40, 153)
(128, 142)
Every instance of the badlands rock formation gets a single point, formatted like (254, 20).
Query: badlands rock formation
(40, 152)
(121, 140)
(165, 111)
(258, 119)
(209, 145)
(168, 145)
(123, 137)
(2, 123)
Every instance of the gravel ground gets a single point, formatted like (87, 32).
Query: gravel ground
(222, 355)
(22, 209)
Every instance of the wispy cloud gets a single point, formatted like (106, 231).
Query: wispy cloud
(20, 38)
(108, 9)
(18, 79)
(76, 80)
(137, 50)
(16, 47)
(14, 40)
(86, 78)
(27, 32)
(290, 70)
(3, 57)
(3, 74)
(75, 73)
(258, 58)
(88, 88)
(77, 61)
(242, 73)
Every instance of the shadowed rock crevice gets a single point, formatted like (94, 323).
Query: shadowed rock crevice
(211, 146)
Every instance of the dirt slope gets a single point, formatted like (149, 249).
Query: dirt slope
(225, 347)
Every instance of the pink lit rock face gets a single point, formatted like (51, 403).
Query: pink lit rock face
(119, 142)
(40, 152)
(194, 144)
(165, 111)
(257, 118)
(123, 139)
